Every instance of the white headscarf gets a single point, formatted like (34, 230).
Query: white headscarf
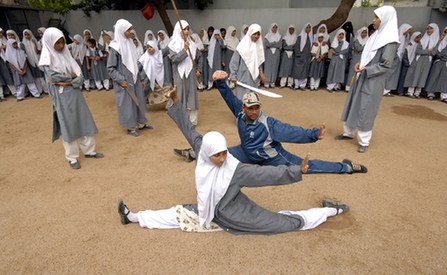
(205, 39)
(252, 53)
(165, 42)
(272, 36)
(196, 39)
(125, 47)
(78, 50)
(15, 35)
(91, 36)
(387, 33)
(430, 41)
(443, 42)
(16, 57)
(101, 39)
(231, 41)
(146, 39)
(359, 38)
(326, 34)
(212, 181)
(140, 49)
(336, 41)
(32, 56)
(176, 45)
(212, 48)
(57, 61)
(242, 30)
(411, 48)
(290, 38)
(304, 35)
(404, 39)
(153, 65)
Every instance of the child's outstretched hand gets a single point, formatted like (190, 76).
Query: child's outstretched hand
(172, 94)
(219, 74)
(305, 164)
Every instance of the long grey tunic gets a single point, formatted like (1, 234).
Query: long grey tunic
(301, 61)
(239, 70)
(317, 69)
(98, 69)
(186, 87)
(337, 67)
(363, 100)
(271, 63)
(392, 78)
(437, 79)
(129, 114)
(167, 68)
(235, 212)
(217, 59)
(286, 64)
(5, 73)
(419, 73)
(356, 50)
(71, 115)
(228, 54)
(21, 79)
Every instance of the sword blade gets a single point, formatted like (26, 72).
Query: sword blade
(262, 92)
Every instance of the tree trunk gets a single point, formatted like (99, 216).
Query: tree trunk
(163, 15)
(339, 16)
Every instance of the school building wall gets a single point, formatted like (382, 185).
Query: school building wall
(76, 21)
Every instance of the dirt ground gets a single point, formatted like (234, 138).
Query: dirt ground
(56, 220)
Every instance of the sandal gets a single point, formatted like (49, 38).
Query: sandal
(121, 210)
(341, 208)
(146, 126)
(133, 132)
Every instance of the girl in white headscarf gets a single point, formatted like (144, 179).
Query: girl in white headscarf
(273, 45)
(363, 100)
(317, 70)
(78, 50)
(424, 55)
(302, 57)
(245, 65)
(149, 36)
(71, 116)
(186, 67)
(215, 55)
(323, 29)
(392, 80)
(32, 49)
(286, 64)
(206, 43)
(244, 30)
(221, 204)
(410, 52)
(199, 44)
(231, 42)
(5, 70)
(20, 70)
(137, 43)
(163, 42)
(436, 81)
(336, 71)
(152, 62)
(123, 68)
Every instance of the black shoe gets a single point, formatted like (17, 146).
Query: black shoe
(75, 165)
(329, 203)
(133, 133)
(122, 211)
(146, 126)
(95, 156)
(188, 154)
(355, 168)
(343, 137)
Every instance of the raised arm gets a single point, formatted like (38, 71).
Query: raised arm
(227, 94)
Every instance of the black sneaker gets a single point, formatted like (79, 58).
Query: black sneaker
(188, 154)
(342, 137)
(355, 168)
(329, 203)
(75, 165)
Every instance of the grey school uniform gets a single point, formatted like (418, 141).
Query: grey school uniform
(98, 69)
(437, 79)
(356, 50)
(235, 212)
(301, 61)
(167, 68)
(5, 73)
(129, 114)
(71, 115)
(239, 70)
(186, 87)
(271, 64)
(317, 69)
(228, 54)
(363, 100)
(286, 63)
(392, 78)
(417, 75)
(217, 59)
(336, 71)
(22, 79)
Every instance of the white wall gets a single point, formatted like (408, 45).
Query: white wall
(76, 21)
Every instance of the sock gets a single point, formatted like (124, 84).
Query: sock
(132, 216)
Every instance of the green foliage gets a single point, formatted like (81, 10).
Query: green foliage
(60, 6)
(202, 4)
(367, 3)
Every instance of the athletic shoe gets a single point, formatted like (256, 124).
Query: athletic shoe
(329, 203)
(355, 168)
